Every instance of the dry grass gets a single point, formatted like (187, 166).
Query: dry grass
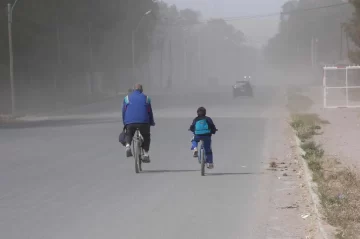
(312, 150)
(338, 187)
(307, 125)
(273, 164)
(339, 191)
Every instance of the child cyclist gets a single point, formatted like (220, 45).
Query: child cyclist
(203, 128)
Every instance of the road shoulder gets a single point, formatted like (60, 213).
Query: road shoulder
(329, 140)
(290, 212)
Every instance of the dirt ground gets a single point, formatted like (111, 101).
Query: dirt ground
(341, 137)
(291, 214)
(292, 209)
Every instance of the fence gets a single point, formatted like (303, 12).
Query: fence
(341, 88)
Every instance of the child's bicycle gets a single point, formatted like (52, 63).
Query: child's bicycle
(202, 156)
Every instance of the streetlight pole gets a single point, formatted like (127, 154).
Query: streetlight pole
(133, 52)
(313, 48)
(133, 42)
(226, 38)
(11, 55)
(341, 42)
(185, 56)
(91, 72)
(185, 30)
(199, 56)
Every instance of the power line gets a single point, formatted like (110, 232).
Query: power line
(289, 12)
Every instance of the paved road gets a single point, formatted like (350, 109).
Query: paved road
(71, 180)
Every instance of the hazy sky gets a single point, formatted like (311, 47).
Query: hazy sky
(258, 30)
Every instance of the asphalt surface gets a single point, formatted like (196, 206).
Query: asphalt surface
(70, 178)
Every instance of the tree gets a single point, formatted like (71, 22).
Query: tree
(58, 44)
(352, 28)
(45, 31)
(189, 16)
(302, 21)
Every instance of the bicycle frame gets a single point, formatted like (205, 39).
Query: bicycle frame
(137, 138)
(199, 149)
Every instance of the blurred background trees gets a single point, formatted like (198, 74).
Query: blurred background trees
(310, 26)
(81, 51)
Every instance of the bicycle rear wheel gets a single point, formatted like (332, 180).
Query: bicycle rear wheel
(138, 167)
(140, 158)
(137, 153)
(202, 158)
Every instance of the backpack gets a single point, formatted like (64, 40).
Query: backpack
(122, 137)
(202, 127)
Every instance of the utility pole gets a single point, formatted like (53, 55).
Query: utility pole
(58, 48)
(347, 44)
(171, 64)
(341, 42)
(133, 42)
(316, 51)
(11, 56)
(133, 54)
(312, 52)
(199, 57)
(185, 56)
(90, 59)
(59, 64)
(161, 62)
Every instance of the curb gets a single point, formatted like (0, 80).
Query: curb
(9, 119)
(308, 178)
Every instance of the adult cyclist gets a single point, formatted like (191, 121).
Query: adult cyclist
(137, 114)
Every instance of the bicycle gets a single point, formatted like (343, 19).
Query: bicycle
(138, 151)
(202, 157)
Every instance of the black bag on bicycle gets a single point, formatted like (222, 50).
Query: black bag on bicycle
(122, 137)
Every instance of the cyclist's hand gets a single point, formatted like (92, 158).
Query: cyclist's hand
(153, 124)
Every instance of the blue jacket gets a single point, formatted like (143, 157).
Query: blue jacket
(137, 109)
(212, 127)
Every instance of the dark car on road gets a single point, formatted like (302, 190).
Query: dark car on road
(243, 87)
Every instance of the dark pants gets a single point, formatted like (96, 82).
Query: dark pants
(144, 131)
(207, 146)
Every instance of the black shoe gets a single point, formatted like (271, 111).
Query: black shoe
(146, 159)
(195, 154)
(128, 152)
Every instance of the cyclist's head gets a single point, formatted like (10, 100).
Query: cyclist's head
(201, 111)
(138, 87)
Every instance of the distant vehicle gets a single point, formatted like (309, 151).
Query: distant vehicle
(243, 88)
